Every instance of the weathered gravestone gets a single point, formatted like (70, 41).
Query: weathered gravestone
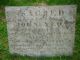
(41, 30)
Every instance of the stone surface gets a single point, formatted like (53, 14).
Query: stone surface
(41, 30)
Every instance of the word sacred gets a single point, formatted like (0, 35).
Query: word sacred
(43, 13)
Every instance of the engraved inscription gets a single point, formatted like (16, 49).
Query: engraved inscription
(41, 30)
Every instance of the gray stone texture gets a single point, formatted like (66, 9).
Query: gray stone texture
(41, 30)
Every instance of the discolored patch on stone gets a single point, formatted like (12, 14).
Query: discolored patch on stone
(41, 30)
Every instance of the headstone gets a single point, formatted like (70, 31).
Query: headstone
(41, 30)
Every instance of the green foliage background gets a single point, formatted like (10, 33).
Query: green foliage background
(4, 50)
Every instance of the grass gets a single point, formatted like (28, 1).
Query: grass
(4, 50)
